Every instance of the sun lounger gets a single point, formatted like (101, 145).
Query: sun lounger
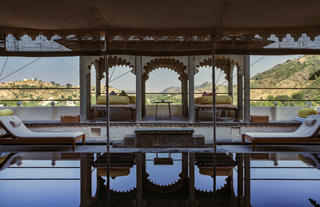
(18, 133)
(307, 132)
(204, 107)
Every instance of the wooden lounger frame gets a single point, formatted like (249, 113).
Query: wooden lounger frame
(12, 140)
(42, 141)
(279, 140)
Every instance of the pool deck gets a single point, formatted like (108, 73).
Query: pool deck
(93, 148)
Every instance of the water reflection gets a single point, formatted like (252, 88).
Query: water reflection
(151, 179)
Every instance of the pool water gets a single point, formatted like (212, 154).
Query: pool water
(160, 179)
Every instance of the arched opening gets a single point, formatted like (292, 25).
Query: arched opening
(163, 96)
(121, 78)
(225, 101)
(163, 85)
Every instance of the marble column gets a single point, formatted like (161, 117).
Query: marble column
(99, 67)
(138, 67)
(191, 72)
(246, 67)
(184, 96)
(85, 88)
(240, 93)
(230, 79)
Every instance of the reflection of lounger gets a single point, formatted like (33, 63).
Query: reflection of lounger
(8, 159)
(307, 132)
(18, 133)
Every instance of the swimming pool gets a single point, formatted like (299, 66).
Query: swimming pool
(160, 179)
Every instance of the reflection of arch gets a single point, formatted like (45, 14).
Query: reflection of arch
(173, 187)
(169, 63)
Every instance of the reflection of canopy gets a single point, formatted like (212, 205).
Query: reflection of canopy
(232, 15)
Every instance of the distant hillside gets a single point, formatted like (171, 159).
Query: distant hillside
(172, 90)
(204, 87)
(38, 94)
(291, 74)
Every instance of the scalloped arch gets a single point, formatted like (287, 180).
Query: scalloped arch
(170, 63)
(114, 61)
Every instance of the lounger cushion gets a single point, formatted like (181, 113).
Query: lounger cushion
(310, 122)
(15, 122)
(132, 99)
(6, 112)
(123, 93)
(221, 99)
(304, 131)
(114, 100)
(22, 131)
(305, 112)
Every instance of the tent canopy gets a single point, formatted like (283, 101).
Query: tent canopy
(164, 15)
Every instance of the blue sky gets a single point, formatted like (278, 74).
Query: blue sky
(66, 70)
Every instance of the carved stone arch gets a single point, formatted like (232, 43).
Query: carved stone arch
(222, 62)
(116, 61)
(112, 61)
(170, 63)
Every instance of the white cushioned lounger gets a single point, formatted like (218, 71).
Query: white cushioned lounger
(307, 132)
(20, 134)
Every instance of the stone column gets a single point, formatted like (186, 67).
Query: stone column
(239, 93)
(143, 95)
(230, 79)
(191, 72)
(99, 67)
(246, 67)
(138, 67)
(85, 88)
(184, 96)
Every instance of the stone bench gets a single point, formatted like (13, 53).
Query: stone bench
(164, 138)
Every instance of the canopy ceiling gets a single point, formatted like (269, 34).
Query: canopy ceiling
(158, 27)
(165, 15)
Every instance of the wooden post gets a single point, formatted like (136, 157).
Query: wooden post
(240, 93)
(86, 179)
(191, 71)
(138, 67)
(247, 179)
(246, 67)
(85, 89)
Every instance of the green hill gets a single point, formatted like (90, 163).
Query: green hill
(293, 73)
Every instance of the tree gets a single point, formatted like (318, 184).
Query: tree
(297, 96)
(69, 85)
